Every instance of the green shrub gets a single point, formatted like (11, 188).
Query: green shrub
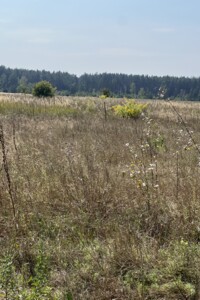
(106, 93)
(43, 89)
(130, 109)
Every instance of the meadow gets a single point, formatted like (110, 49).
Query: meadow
(94, 206)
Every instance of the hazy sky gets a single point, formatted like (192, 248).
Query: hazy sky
(154, 37)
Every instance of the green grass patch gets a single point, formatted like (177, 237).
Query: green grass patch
(35, 109)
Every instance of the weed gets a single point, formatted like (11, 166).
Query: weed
(130, 109)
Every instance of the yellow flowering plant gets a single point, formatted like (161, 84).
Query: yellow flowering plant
(130, 109)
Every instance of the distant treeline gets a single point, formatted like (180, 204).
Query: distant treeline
(119, 85)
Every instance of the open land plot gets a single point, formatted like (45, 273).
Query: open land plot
(94, 206)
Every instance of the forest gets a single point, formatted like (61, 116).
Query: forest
(118, 85)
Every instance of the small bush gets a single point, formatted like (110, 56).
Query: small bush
(43, 89)
(106, 93)
(130, 109)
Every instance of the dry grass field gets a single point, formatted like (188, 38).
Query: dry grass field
(94, 206)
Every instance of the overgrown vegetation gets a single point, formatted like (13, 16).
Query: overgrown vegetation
(94, 206)
(130, 109)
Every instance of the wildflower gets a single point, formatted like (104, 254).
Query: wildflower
(127, 144)
(137, 172)
(184, 243)
(152, 165)
(150, 169)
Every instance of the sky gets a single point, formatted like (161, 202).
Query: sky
(150, 37)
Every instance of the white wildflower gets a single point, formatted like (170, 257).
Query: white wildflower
(152, 165)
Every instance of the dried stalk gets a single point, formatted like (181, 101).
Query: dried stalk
(6, 169)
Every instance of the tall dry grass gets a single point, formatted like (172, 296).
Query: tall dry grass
(105, 208)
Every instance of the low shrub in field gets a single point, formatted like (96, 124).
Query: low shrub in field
(43, 89)
(130, 109)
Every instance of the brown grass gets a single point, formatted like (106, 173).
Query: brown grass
(114, 205)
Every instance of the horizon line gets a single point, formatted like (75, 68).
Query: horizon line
(99, 73)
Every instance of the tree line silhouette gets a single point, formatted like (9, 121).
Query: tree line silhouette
(118, 85)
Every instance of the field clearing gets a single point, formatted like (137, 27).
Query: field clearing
(93, 206)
